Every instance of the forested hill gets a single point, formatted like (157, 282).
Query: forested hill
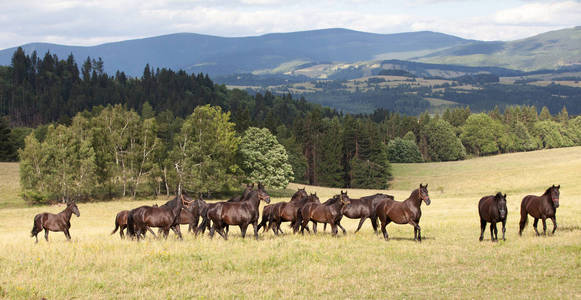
(222, 56)
(40, 90)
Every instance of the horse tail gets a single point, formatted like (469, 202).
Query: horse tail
(205, 222)
(523, 215)
(130, 224)
(36, 226)
(262, 224)
(116, 226)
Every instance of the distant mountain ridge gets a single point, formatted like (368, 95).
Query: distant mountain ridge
(326, 53)
(222, 56)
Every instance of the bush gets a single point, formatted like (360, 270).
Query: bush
(403, 151)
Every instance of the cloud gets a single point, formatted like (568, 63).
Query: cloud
(92, 22)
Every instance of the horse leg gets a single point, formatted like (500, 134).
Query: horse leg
(383, 225)
(121, 234)
(46, 234)
(178, 231)
(374, 224)
(340, 226)
(492, 231)
(503, 229)
(544, 225)
(324, 227)
(417, 227)
(67, 234)
(495, 232)
(150, 231)
(314, 227)
(360, 224)
(212, 231)
(334, 229)
(482, 228)
(255, 227)
(554, 219)
(535, 226)
(243, 229)
(303, 224)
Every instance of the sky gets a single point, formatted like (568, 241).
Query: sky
(91, 22)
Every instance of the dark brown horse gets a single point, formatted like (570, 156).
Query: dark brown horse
(540, 207)
(406, 212)
(55, 222)
(328, 212)
(363, 208)
(121, 222)
(288, 211)
(203, 210)
(165, 217)
(241, 213)
(268, 221)
(492, 209)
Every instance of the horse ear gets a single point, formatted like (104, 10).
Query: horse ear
(559, 186)
(504, 196)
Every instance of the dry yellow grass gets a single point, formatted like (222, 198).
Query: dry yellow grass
(449, 263)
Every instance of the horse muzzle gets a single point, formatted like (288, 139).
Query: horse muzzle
(428, 201)
(267, 200)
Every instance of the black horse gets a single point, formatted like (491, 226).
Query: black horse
(492, 209)
(241, 213)
(540, 207)
(55, 222)
(363, 208)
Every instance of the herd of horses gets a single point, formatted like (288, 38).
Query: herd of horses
(302, 208)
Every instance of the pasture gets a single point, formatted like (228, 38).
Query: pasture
(449, 263)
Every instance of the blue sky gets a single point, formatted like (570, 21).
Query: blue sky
(92, 22)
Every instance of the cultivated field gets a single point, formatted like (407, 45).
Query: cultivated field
(449, 263)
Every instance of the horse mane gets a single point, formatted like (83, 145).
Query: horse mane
(548, 191)
(498, 195)
(332, 200)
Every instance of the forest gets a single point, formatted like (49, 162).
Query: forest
(79, 132)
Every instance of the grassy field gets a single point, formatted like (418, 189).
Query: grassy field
(449, 263)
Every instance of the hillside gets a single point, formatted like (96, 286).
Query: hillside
(222, 55)
(548, 50)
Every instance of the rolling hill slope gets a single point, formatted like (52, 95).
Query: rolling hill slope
(220, 55)
(548, 50)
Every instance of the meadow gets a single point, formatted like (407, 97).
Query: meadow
(448, 263)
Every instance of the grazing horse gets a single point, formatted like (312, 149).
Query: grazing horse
(55, 222)
(540, 207)
(362, 209)
(245, 193)
(166, 217)
(328, 212)
(492, 209)
(406, 212)
(241, 213)
(121, 222)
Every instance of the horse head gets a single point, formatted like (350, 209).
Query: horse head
(73, 207)
(313, 198)
(344, 198)
(500, 200)
(299, 194)
(423, 192)
(554, 193)
(262, 195)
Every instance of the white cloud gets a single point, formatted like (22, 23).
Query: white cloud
(92, 22)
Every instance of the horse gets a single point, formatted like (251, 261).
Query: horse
(166, 217)
(406, 212)
(362, 209)
(540, 207)
(268, 221)
(55, 222)
(245, 193)
(329, 212)
(288, 211)
(492, 209)
(121, 222)
(238, 213)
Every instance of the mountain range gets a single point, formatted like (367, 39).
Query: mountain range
(318, 53)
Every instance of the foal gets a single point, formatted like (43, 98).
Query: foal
(55, 222)
(492, 209)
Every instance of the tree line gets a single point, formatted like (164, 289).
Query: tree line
(158, 113)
